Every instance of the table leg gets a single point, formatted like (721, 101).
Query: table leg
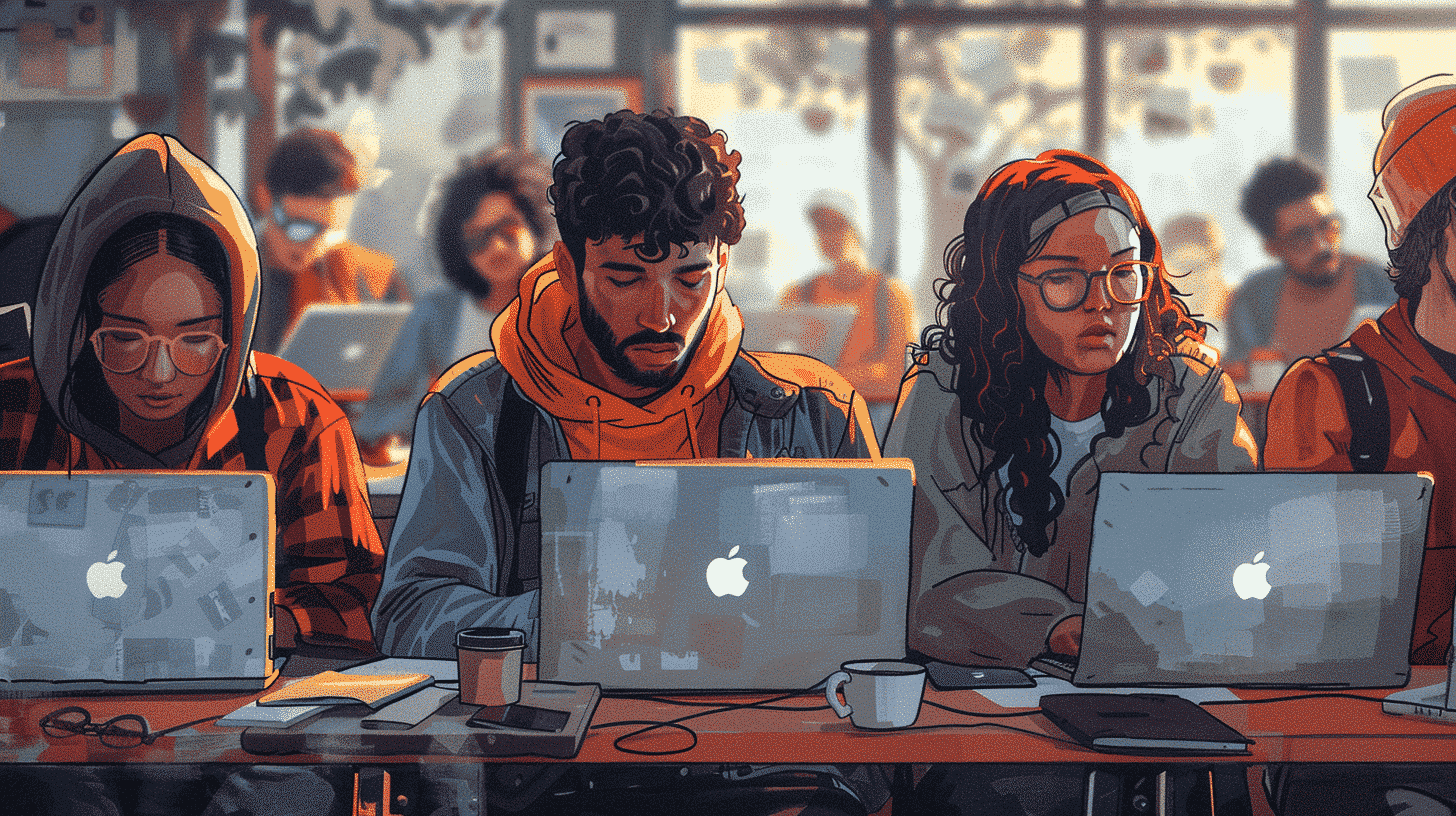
(1151, 790)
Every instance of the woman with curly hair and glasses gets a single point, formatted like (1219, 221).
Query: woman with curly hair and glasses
(1060, 351)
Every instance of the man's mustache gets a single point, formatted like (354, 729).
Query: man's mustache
(647, 336)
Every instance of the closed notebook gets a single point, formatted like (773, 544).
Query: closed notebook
(1142, 724)
(337, 688)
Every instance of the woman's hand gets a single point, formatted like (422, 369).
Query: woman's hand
(1066, 637)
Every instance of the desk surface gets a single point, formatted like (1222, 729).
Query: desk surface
(1322, 729)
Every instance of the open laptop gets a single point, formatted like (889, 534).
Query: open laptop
(818, 331)
(1252, 580)
(736, 575)
(344, 345)
(135, 581)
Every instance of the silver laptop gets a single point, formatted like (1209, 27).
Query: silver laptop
(344, 346)
(746, 574)
(1253, 579)
(818, 331)
(121, 581)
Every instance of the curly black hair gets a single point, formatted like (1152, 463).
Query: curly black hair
(1000, 374)
(669, 179)
(1424, 239)
(519, 174)
(1277, 182)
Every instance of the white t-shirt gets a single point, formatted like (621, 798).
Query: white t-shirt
(1073, 441)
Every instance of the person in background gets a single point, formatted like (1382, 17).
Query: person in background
(306, 202)
(1193, 254)
(1060, 353)
(1383, 401)
(493, 223)
(23, 246)
(1312, 297)
(873, 357)
(623, 345)
(142, 359)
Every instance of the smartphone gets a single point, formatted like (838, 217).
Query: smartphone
(948, 677)
(519, 717)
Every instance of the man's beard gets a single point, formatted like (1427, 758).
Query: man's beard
(1314, 274)
(614, 353)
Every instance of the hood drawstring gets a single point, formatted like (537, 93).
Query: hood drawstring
(688, 391)
(596, 403)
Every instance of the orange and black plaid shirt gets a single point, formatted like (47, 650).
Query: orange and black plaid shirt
(329, 555)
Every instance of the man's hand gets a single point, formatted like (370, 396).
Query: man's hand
(1066, 637)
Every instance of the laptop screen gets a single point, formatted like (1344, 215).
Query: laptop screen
(736, 575)
(1253, 579)
(344, 345)
(124, 580)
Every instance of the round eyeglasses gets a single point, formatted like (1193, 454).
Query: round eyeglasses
(123, 351)
(1064, 289)
(125, 731)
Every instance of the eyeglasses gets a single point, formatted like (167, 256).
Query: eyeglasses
(509, 232)
(125, 731)
(297, 230)
(1301, 238)
(1063, 290)
(122, 351)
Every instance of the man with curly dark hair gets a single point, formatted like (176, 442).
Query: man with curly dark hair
(621, 345)
(1307, 300)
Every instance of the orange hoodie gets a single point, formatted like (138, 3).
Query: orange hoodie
(682, 423)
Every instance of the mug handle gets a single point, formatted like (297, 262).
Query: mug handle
(831, 693)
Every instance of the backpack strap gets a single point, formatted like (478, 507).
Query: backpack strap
(1366, 410)
(512, 467)
(248, 408)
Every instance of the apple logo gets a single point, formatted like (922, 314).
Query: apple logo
(725, 575)
(1251, 579)
(104, 578)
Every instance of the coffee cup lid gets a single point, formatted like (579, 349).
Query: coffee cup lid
(490, 637)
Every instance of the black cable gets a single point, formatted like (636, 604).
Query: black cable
(650, 726)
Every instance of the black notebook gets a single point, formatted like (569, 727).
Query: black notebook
(1142, 724)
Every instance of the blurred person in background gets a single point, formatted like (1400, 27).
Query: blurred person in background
(873, 357)
(493, 223)
(308, 197)
(1193, 258)
(1313, 297)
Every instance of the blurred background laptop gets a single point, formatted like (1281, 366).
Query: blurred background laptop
(729, 575)
(344, 345)
(135, 581)
(818, 331)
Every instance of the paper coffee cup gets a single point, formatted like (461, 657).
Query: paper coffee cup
(489, 661)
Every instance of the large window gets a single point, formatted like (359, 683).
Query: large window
(1184, 99)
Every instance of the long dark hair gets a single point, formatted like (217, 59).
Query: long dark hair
(136, 240)
(981, 329)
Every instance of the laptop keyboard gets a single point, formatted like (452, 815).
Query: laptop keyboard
(1057, 665)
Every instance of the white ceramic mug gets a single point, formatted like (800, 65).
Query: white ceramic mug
(878, 694)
